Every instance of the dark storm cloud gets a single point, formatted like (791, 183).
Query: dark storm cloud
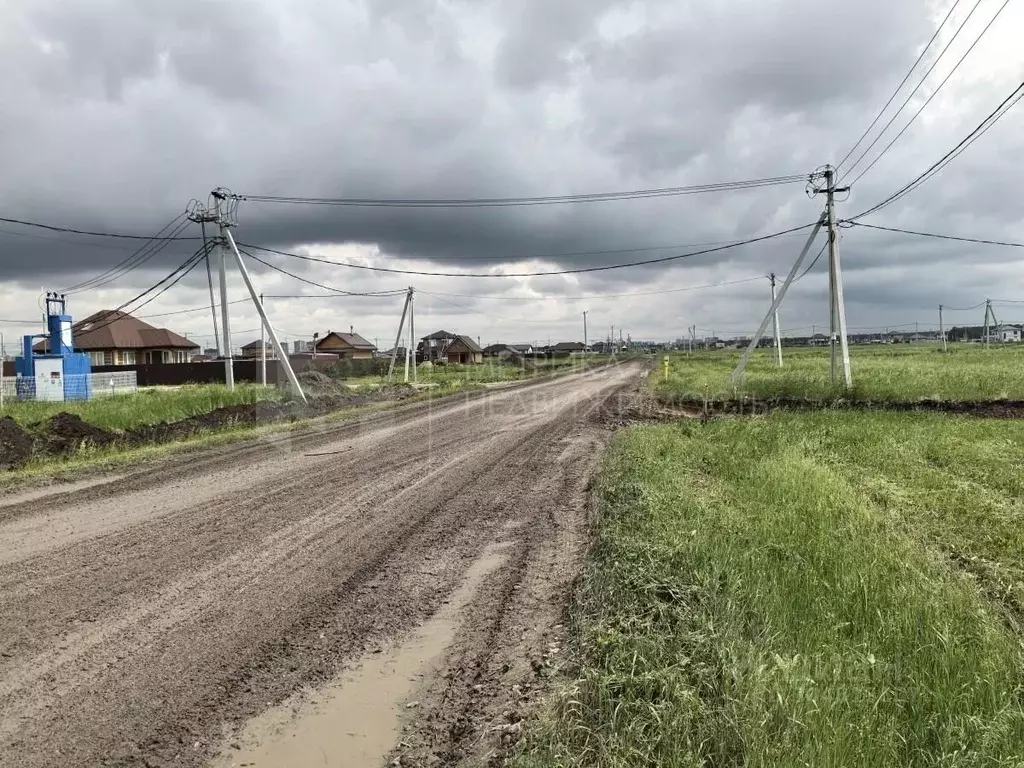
(123, 111)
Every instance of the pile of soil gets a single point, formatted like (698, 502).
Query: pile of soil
(15, 444)
(314, 381)
(66, 433)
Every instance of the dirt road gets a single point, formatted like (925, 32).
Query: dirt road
(384, 588)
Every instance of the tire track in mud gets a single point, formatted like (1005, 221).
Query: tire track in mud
(133, 646)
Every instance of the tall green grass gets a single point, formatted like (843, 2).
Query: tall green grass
(147, 406)
(754, 599)
(896, 373)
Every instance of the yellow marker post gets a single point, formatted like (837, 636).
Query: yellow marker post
(665, 364)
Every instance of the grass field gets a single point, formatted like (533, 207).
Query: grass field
(490, 372)
(148, 406)
(897, 372)
(830, 589)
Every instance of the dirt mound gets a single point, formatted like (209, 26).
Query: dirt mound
(315, 381)
(66, 433)
(221, 418)
(15, 444)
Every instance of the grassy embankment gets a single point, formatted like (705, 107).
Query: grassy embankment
(897, 372)
(824, 589)
(148, 406)
(789, 591)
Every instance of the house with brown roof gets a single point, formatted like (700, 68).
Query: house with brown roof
(446, 347)
(252, 349)
(112, 337)
(350, 346)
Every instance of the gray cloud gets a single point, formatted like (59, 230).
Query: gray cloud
(124, 111)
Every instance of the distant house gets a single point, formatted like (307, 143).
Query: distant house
(112, 337)
(252, 349)
(572, 347)
(501, 351)
(1007, 333)
(446, 347)
(523, 349)
(387, 354)
(349, 346)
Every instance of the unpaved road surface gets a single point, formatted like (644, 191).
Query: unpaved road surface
(205, 611)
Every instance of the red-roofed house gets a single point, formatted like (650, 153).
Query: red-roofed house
(112, 337)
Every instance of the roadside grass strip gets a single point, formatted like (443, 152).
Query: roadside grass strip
(147, 406)
(898, 373)
(781, 592)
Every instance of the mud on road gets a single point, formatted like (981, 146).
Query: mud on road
(383, 590)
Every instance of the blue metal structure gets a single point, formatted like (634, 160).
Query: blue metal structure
(64, 369)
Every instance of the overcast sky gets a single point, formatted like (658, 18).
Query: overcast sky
(114, 114)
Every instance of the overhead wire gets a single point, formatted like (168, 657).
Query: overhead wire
(931, 97)
(165, 284)
(140, 256)
(488, 202)
(55, 228)
(980, 241)
(573, 271)
(900, 86)
(917, 87)
(1005, 106)
(339, 291)
(588, 297)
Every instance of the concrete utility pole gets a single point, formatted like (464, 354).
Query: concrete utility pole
(412, 333)
(279, 352)
(263, 351)
(942, 330)
(398, 336)
(225, 320)
(778, 334)
(837, 306)
(213, 303)
(223, 215)
(988, 328)
(585, 332)
(611, 340)
(737, 374)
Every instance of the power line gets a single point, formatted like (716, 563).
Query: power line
(596, 296)
(565, 254)
(167, 282)
(204, 308)
(899, 87)
(577, 270)
(1005, 106)
(916, 89)
(320, 285)
(54, 228)
(811, 265)
(86, 243)
(980, 241)
(487, 202)
(933, 95)
(144, 253)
